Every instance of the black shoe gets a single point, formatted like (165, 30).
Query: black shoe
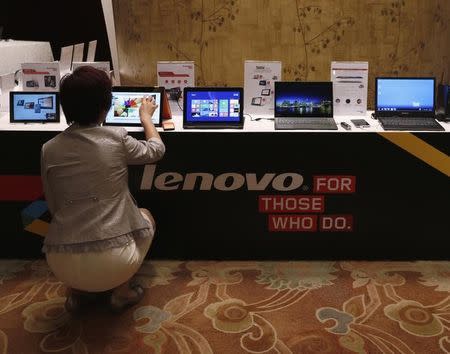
(119, 303)
(78, 300)
(73, 303)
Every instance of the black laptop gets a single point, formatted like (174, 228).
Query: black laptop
(304, 106)
(33, 107)
(213, 108)
(406, 104)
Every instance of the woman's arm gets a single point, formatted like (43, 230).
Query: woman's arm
(148, 107)
(151, 150)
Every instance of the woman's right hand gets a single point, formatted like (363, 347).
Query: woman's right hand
(148, 107)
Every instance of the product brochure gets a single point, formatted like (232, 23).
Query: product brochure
(259, 86)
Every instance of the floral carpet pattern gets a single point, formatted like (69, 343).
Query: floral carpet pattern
(238, 307)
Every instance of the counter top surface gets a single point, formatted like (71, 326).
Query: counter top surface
(251, 125)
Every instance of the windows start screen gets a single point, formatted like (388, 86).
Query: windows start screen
(214, 106)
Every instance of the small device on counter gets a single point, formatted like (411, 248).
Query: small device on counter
(168, 125)
(346, 126)
(360, 123)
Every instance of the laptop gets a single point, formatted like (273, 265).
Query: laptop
(213, 108)
(126, 101)
(304, 106)
(406, 104)
(34, 107)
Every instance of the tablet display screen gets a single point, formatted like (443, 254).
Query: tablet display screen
(34, 107)
(125, 108)
(213, 106)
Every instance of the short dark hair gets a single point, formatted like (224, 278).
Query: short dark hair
(85, 94)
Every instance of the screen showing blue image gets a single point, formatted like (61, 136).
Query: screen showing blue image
(213, 106)
(34, 107)
(405, 94)
(303, 99)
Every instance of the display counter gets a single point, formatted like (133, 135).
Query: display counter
(257, 193)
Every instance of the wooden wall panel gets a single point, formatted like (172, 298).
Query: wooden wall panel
(397, 37)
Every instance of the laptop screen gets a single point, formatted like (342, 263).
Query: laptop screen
(125, 107)
(405, 94)
(303, 99)
(213, 105)
(34, 107)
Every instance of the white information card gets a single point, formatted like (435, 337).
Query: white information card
(65, 59)
(92, 48)
(259, 86)
(78, 51)
(350, 80)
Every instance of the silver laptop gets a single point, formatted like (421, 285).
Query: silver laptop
(304, 106)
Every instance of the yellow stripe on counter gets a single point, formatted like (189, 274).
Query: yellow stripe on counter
(420, 149)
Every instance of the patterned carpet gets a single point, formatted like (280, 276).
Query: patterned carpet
(239, 307)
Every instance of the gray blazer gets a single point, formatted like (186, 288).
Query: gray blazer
(85, 176)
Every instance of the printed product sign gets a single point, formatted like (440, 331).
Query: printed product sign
(174, 76)
(350, 81)
(40, 76)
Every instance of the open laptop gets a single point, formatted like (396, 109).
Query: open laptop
(304, 106)
(34, 107)
(406, 104)
(127, 100)
(213, 108)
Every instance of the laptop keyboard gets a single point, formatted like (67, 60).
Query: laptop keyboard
(305, 124)
(414, 124)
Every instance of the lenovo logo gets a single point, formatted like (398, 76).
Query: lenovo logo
(225, 182)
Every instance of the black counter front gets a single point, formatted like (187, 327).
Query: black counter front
(264, 195)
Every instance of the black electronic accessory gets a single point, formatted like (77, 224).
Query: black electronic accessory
(346, 126)
(443, 103)
(174, 93)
